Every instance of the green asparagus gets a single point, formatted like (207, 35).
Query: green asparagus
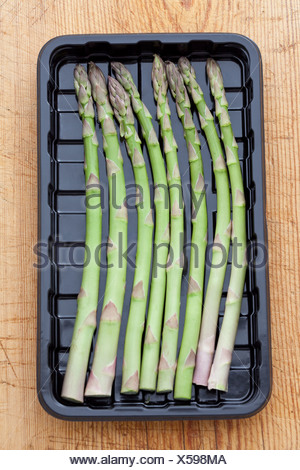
(186, 359)
(207, 338)
(150, 356)
(104, 363)
(220, 368)
(135, 325)
(87, 300)
(161, 200)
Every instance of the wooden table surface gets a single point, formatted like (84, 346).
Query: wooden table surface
(25, 27)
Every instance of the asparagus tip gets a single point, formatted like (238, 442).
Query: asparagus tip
(118, 97)
(214, 73)
(82, 84)
(116, 89)
(78, 71)
(184, 65)
(211, 67)
(117, 67)
(176, 83)
(158, 61)
(171, 71)
(159, 77)
(95, 74)
(111, 83)
(123, 76)
(83, 88)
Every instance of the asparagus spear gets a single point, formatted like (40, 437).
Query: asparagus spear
(186, 359)
(220, 368)
(161, 199)
(206, 344)
(135, 325)
(150, 356)
(87, 299)
(104, 363)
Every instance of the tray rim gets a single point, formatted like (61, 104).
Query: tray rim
(140, 412)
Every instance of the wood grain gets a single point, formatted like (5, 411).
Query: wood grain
(25, 27)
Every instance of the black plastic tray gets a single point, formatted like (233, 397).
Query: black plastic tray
(62, 218)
